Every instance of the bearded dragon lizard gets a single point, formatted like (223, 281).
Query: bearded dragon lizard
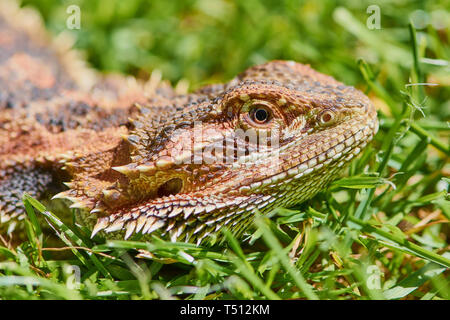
(138, 157)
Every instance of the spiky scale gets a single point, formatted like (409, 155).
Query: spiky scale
(101, 224)
(63, 195)
(148, 224)
(147, 169)
(175, 211)
(155, 226)
(80, 205)
(128, 170)
(164, 163)
(130, 227)
(140, 222)
(188, 211)
(115, 226)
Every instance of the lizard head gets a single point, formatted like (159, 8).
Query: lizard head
(273, 136)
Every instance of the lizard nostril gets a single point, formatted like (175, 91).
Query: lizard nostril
(172, 186)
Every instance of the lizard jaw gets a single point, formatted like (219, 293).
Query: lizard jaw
(199, 217)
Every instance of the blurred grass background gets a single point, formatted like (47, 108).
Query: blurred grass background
(212, 40)
(331, 242)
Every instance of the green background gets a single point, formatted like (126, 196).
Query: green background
(329, 246)
(212, 40)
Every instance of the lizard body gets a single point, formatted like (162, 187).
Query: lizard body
(137, 158)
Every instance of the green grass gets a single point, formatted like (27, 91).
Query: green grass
(380, 232)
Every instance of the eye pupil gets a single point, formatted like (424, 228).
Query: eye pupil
(261, 115)
(326, 117)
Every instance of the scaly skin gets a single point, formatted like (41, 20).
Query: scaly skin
(186, 165)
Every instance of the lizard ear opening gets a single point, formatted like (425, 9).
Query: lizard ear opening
(170, 187)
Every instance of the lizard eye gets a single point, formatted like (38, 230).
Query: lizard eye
(326, 117)
(260, 114)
